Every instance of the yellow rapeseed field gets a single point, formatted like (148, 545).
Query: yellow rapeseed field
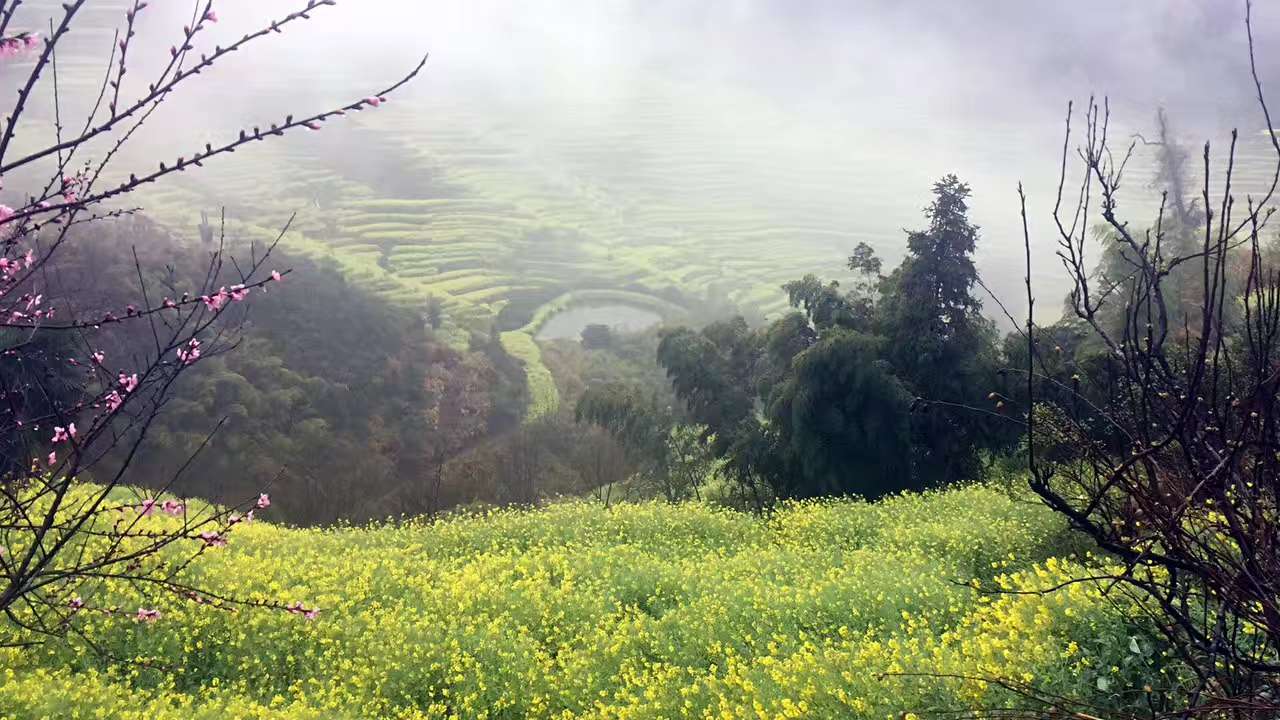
(823, 610)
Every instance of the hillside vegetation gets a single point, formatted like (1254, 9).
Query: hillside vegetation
(635, 611)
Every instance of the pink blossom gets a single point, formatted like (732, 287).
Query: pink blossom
(374, 101)
(75, 603)
(276, 276)
(31, 40)
(213, 539)
(6, 212)
(190, 353)
(114, 401)
(128, 383)
(311, 125)
(148, 507)
(264, 501)
(211, 16)
(216, 301)
(173, 507)
(239, 292)
(297, 608)
(98, 357)
(60, 434)
(248, 517)
(147, 615)
(53, 458)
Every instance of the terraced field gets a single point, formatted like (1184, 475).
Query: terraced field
(681, 198)
(453, 216)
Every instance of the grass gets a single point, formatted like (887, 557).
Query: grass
(825, 610)
(544, 396)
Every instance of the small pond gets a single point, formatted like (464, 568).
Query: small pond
(569, 323)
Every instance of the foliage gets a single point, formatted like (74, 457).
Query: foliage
(327, 402)
(712, 372)
(844, 416)
(554, 455)
(637, 420)
(820, 401)
(825, 306)
(341, 404)
(653, 610)
(671, 460)
(690, 463)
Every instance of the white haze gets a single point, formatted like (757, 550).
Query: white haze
(805, 106)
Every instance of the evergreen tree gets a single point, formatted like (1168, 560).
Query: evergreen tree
(938, 341)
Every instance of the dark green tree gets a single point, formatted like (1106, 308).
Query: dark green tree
(938, 341)
(844, 417)
(827, 306)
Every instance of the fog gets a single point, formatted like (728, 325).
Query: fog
(823, 122)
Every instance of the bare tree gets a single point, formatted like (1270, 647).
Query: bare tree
(1174, 429)
(72, 418)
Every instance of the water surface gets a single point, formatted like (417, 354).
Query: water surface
(569, 324)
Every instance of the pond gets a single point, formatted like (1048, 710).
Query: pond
(569, 323)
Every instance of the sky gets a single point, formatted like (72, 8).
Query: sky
(969, 59)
